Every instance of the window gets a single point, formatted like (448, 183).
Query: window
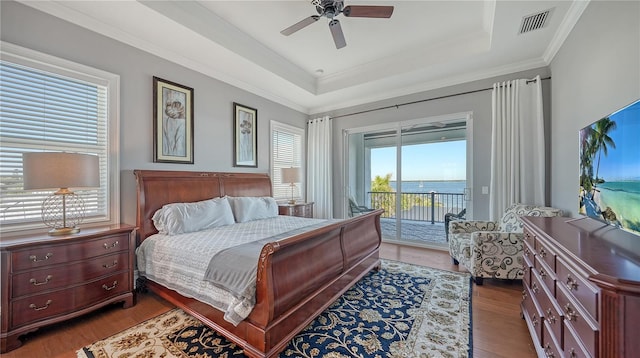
(286, 152)
(49, 104)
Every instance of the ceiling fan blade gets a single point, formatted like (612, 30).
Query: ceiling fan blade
(300, 25)
(336, 32)
(368, 11)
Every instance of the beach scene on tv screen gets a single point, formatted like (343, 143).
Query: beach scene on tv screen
(610, 169)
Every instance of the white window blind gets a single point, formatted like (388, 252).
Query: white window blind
(286, 152)
(43, 111)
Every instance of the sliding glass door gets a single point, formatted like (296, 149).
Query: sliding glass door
(416, 171)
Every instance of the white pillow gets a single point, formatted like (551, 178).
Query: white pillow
(253, 208)
(178, 218)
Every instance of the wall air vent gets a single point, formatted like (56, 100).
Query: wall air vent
(535, 21)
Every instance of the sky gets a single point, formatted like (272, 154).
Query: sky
(623, 162)
(434, 161)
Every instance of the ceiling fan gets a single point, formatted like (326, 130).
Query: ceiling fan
(331, 9)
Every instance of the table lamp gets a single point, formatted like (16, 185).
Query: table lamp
(291, 176)
(63, 210)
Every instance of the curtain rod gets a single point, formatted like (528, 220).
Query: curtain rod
(425, 100)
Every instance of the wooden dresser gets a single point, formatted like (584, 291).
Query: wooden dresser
(304, 210)
(48, 279)
(581, 294)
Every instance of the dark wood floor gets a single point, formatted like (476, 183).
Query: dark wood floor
(498, 330)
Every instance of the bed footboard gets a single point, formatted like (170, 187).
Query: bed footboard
(300, 277)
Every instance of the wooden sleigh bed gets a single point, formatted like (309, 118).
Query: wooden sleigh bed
(334, 257)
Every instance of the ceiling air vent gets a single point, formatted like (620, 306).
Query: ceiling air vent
(535, 21)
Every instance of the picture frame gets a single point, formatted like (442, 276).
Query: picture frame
(172, 122)
(245, 136)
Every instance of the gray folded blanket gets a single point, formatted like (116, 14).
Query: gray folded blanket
(235, 269)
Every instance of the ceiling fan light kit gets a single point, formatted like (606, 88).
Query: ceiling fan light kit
(332, 8)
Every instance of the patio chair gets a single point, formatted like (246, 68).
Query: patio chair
(493, 249)
(355, 209)
(451, 216)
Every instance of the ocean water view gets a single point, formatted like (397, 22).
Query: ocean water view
(624, 199)
(427, 186)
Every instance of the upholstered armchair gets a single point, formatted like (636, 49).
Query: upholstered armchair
(493, 249)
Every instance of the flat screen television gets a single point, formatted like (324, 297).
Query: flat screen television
(610, 169)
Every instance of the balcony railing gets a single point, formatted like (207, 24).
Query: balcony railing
(418, 206)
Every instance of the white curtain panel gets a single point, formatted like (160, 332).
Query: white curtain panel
(517, 146)
(319, 168)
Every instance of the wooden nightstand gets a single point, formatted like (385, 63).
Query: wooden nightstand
(304, 210)
(48, 279)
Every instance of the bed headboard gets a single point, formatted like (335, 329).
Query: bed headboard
(156, 188)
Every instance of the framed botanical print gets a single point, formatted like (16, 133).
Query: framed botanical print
(172, 122)
(245, 136)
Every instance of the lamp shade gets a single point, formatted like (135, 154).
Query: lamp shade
(55, 170)
(290, 175)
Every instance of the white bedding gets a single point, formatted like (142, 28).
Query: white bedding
(179, 262)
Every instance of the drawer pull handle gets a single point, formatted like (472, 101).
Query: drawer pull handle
(543, 253)
(35, 258)
(109, 288)
(571, 313)
(107, 246)
(524, 295)
(534, 320)
(548, 352)
(550, 316)
(572, 284)
(115, 263)
(572, 353)
(35, 282)
(526, 252)
(36, 308)
(543, 274)
(535, 288)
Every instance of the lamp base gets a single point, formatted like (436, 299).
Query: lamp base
(64, 231)
(292, 202)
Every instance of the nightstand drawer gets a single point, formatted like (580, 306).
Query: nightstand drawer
(304, 210)
(51, 304)
(37, 281)
(63, 253)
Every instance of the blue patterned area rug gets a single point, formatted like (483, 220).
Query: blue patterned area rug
(403, 310)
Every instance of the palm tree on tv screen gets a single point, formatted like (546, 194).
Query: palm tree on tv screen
(602, 141)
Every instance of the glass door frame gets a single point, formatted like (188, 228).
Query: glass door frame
(398, 127)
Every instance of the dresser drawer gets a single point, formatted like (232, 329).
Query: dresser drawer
(546, 254)
(37, 281)
(55, 254)
(549, 308)
(55, 303)
(547, 276)
(580, 288)
(532, 314)
(573, 347)
(529, 252)
(529, 238)
(578, 319)
(550, 346)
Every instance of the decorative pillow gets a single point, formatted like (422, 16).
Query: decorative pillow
(178, 218)
(253, 208)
